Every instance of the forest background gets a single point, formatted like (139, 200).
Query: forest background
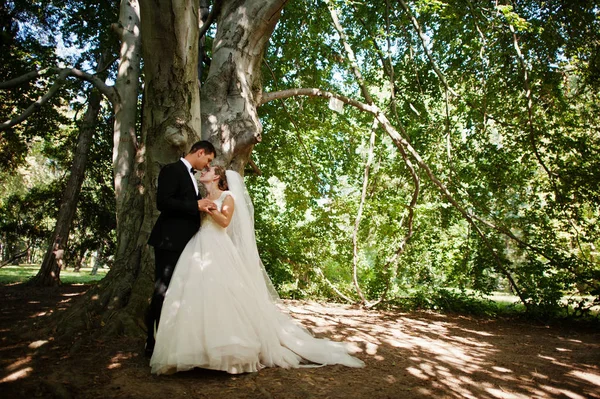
(484, 179)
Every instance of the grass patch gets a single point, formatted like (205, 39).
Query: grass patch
(495, 305)
(22, 273)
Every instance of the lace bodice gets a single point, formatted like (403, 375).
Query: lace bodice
(219, 201)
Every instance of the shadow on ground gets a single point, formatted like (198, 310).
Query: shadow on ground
(407, 355)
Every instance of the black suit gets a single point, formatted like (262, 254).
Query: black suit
(179, 220)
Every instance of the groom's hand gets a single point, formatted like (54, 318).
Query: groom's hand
(206, 205)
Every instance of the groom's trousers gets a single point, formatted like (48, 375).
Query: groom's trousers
(165, 262)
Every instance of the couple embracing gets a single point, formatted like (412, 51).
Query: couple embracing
(216, 305)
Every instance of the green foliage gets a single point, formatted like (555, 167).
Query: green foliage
(455, 301)
(513, 137)
(36, 155)
(30, 203)
(533, 176)
(27, 33)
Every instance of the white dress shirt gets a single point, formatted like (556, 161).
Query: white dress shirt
(189, 168)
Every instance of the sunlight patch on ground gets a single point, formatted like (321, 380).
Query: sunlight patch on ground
(323, 326)
(502, 394)
(563, 350)
(571, 395)
(19, 363)
(417, 373)
(39, 314)
(446, 356)
(482, 333)
(589, 377)
(553, 360)
(116, 360)
(37, 344)
(539, 376)
(17, 375)
(559, 392)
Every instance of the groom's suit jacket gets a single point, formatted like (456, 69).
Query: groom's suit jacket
(177, 201)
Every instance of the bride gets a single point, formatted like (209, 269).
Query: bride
(220, 309)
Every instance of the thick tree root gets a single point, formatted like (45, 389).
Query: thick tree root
(115, 306)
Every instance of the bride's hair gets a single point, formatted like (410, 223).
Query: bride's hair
(222, 184)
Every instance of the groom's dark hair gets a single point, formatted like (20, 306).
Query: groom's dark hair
(203, 145)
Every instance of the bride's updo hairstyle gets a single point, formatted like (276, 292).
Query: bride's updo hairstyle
(222, 184)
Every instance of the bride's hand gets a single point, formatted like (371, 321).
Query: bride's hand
(223, 217)
(206, 205)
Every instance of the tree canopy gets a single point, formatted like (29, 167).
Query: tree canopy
(410, 151)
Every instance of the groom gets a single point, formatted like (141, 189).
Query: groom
(180, 205)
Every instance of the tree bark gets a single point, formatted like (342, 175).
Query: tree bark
(171, 122)
(125, 109)
(49, 273)
(78, 261)
(233, 87)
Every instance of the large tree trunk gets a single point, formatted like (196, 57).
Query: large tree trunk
(49, 273)
(127, 86)
(233, 87)
(171, 122)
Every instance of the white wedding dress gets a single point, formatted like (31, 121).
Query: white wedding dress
(220, 310)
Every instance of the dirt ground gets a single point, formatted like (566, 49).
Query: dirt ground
(407, 355)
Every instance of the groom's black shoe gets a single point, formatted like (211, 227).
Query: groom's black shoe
(149, 348)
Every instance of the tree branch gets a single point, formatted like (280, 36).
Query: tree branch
(386, 64)
(313, 92)
(439, 72)
(16, 256)
(60, 80)
(378, 115)
(24, 78)
(423, 38)
(63, 73)
(106, 66)
(527, 88)
(409, 230)
(350, 53)
(360, 211)
(411, 169)
(105, 89)
(552, 176)
(109, 91)
(211, 18)
(255, 167)
(389, 56)
(333, 287)
(312, 166)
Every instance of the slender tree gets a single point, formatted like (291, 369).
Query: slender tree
(49, 273)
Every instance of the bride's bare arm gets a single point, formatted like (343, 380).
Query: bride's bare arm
(223, 218)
